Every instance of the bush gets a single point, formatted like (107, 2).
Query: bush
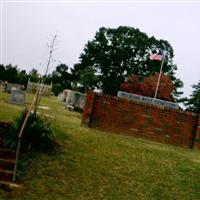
(37, 135)
(57, 88)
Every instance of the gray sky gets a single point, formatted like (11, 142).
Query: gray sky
(26, 28)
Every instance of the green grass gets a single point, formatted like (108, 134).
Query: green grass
(97, 165)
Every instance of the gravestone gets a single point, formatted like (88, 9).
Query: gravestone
(17, 97)
(75, 99)
(61, 97)
(9, 86)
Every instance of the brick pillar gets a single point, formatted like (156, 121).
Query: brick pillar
(87, 111)
(197, 135)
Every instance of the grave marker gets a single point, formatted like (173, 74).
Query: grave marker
(17, 97)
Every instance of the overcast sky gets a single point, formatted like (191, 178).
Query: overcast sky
(26, 28)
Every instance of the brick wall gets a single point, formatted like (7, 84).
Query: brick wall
(156, 123)
(197, 136)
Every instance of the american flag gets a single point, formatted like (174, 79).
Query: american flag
(156, 56)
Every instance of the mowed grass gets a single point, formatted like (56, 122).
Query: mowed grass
(91, 164)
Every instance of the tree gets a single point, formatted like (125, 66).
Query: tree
(193, 103)
(34, 75)
(88, 79)
(23, 78)
(114, 54)
(12, 74)
(147, 86)
(2, 72)
(61, 78)
(9, 73)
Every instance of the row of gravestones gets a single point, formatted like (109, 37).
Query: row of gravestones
(18, 93)
(71, 99)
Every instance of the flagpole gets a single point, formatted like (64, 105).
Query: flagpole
(158, 82)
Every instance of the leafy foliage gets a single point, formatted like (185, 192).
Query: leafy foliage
(12, 74)
(34, 75)
(8, 73)
(61, 78)
(37, 135)
(57, 88)
(117, 53)
(193, 103)
(147, 86)
(88, 79)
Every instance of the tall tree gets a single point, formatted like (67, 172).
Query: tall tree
(34, 75)
(2, 72)
(12, 74)
(116, 53)
(193, 103)
(88, 79)
(9, 73)
(23, 78)
(61, 78)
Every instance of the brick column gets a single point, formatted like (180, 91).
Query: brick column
(87, 111)
(197, 135)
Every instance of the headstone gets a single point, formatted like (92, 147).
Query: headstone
(17, 96)
(75, 99)
(61, 97)
(9, 86)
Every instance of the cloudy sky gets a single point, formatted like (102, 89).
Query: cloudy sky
(27, 27)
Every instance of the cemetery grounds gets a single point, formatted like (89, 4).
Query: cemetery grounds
(92, 164)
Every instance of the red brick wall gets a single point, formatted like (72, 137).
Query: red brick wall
(197, 137)
(157, 123)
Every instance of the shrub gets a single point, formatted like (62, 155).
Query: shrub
(57, 88)
(37, 135)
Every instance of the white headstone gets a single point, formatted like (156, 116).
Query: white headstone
(75, 99)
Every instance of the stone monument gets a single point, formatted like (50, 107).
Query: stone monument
(17, 96)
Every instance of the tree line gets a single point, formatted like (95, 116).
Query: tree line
(107, 61)
(60, 77)
(13, 74)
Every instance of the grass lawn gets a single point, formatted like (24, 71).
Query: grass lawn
(97, 165)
